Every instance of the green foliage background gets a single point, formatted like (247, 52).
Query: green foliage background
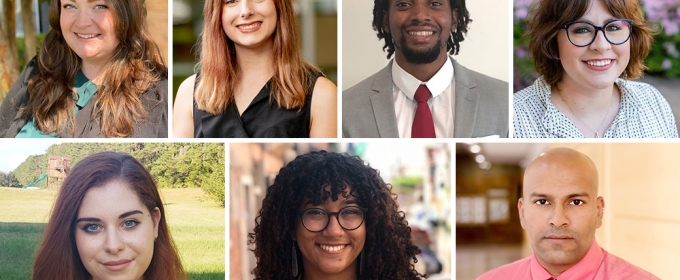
(173, 165)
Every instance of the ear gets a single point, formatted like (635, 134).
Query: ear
(520, 206)
(600, 210)
(156, 217)
(454, 20)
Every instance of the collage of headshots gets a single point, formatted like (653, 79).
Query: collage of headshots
(171, 140)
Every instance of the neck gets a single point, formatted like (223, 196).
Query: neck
(585, 101)
(314, 273)
(256, 60)
(91, 71)
(422, 71)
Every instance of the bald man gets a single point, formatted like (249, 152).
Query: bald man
(560, 210)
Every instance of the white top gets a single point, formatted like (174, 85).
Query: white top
(441, 104)
(643, 113)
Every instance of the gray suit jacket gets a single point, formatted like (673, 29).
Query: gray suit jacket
(481, 107)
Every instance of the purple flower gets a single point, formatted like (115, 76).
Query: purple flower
(666, 64)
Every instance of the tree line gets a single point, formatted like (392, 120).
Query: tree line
(173, 165)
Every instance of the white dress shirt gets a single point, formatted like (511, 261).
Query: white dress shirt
(441, 104)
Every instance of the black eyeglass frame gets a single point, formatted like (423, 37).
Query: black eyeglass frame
(599, 28)
(336, 214)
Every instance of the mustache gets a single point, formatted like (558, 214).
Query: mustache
(421, 24)
(557, 234)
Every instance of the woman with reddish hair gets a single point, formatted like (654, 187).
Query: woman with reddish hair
(108, 222)
(252, 80)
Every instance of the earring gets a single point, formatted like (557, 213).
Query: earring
(361, 262)
(625, 75)
(295, 264)
(155, 239)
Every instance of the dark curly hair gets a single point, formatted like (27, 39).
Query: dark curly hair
(380, 13)
(316, 177)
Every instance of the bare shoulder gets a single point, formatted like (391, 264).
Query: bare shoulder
(183, 115)
(324, 109)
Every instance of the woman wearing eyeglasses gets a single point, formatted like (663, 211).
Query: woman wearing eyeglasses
(330, 216)
(586, 52)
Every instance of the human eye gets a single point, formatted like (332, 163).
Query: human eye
(68, 6)
(581, 28)
(403, 4)
(315, 213)
(541, 202)
(436, 3)
(351, 211)
(101, 7)
(577, 202)
(228, 2)
(616, 26)
(130, 223)
(91, 228)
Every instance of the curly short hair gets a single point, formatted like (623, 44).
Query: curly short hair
(380, 14)
(548, 17)
(316, 177)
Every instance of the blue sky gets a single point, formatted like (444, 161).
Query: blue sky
(13, 153)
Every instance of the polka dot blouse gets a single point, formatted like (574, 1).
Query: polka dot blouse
(643, 113)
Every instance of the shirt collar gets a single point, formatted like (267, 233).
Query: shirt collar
(408, 84)
(585, 269)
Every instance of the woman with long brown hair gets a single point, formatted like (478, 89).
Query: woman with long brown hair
(252, 80)
(98, 74)
(108, 221)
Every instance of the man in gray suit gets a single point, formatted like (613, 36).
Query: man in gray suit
(458, 102)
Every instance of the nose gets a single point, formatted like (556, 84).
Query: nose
(333, 228)
(559, 217)
(600, 44)
(84, 18)
(246, 8)
(114, 242)
(419, 11)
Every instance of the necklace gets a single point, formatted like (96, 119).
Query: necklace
(597, 132)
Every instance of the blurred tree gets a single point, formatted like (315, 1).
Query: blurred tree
(9, 65)
(29, 29)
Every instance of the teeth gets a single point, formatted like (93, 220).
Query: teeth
(420, 33)
(332, 248)
(599, 62)
(254, 25)
(86, 36)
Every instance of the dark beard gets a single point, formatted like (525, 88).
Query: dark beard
(419, 57)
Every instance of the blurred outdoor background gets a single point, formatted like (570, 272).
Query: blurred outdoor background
(663, 60)
(317, 22)
(639, 183)
(24, 24)
(420, 175)
(190, 177)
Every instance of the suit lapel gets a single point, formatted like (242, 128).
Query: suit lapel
(383, 104)
(467, 102)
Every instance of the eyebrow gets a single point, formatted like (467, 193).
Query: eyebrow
(541, 195)
(121, 216)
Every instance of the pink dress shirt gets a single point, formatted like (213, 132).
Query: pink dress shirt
(598, 264)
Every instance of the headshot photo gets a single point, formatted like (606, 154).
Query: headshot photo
(113, 211)
(595, 69)
(254, 77)
(98, 71)
(566, 211)
(425, 69)
(339, 211)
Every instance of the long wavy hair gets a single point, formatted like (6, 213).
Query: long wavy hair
(316, 177)
(135, 65)
(220, 71)
(57, 256)
(381, 15)
(548, 17)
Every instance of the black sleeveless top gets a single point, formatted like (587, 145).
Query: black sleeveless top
(261, 119)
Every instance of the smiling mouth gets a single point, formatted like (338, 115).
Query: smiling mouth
(599, 63)
(86, 36)
(332, 248)
(420, 33)
(249, 26)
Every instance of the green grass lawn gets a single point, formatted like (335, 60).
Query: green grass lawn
(196, 224)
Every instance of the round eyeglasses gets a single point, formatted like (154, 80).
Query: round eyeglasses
(581, 33)
(316, 220)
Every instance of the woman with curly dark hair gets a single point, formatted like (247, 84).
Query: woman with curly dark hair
(330, 216)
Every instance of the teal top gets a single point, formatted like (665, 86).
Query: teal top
(85, 88)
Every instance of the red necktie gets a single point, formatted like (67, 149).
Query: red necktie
(423, 126)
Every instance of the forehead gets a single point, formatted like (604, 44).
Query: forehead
(560, 179)
(110, 199)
